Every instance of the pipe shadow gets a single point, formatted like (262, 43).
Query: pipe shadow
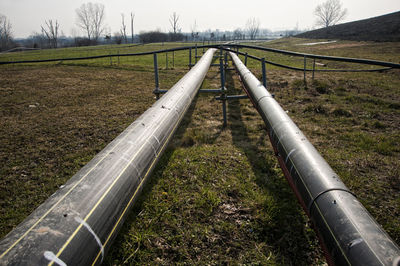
(286, 230)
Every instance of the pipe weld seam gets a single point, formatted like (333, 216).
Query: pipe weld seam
(326, 191)
(265, 96)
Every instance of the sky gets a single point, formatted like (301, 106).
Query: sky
(26, 16)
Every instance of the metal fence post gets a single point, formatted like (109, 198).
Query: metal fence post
(190, 58)
(313, 70)
(305, 66)
(195, 54)
(264, 72)
(226, 60)
(156, 76)
(223, 94)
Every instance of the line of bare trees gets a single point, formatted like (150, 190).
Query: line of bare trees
(121, 36)
(51, 31)
(90, 17)
(6, 38)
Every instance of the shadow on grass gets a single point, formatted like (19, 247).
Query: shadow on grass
(285, 230)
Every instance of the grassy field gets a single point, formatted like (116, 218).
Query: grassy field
(218, 195)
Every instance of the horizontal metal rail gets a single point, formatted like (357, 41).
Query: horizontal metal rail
(324, 57)
(226, 46)
(311, 70)
(349, 233)
(76, 225)
(106, 56)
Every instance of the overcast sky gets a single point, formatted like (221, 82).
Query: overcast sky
(26, 16)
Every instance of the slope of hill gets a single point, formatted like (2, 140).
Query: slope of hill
(384, 28)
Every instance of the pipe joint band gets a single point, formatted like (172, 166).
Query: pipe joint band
(326, 191)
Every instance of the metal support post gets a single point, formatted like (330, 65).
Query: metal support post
(190, 58)
(313, 70)
(195, 54)
(226, 60)
(233, 97)
(203, 46)
(245, 59)
(223, 95)
(305, 66)
(156, 90)
(264, 72)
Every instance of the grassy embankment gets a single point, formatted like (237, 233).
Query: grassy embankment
(217, 195)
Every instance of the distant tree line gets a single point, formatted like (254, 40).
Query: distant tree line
(90, 19)
(158, 36)
(6, 37)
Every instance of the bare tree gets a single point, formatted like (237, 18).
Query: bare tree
(51, 32)
(118, 37)
(132, 17)
(38, 40)
(252, 27)
(173, 20)
(329, 13)
(195, 33)
(5, 32)
(123, 28)
(91, 18)
(237, 34)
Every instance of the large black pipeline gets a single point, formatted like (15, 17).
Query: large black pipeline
(350, 234)
(76, 225)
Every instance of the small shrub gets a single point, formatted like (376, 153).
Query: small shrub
(188, 139)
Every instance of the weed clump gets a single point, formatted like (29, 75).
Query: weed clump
(378, 125)
(299, 84)
(316, 108)
(321, 87)
(341, 112)
(192, 137)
